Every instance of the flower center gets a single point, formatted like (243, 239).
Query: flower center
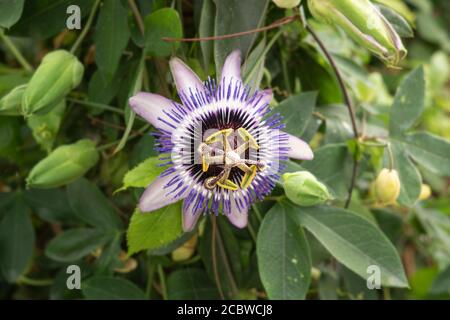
(216, 150)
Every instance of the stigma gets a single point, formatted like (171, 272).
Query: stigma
(216, 150)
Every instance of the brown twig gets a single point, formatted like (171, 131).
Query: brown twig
(276, 24)
(111, 125)
(348, 103)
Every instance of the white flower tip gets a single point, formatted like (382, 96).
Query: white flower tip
(238, 219)
(135, 100)
(299, 149)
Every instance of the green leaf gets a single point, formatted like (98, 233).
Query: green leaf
(297, 111)
(410, 178)
(253, 68)
(354, 241)
(159, 24)
(190, 284)
(64, 165)
(441, 285)
(111, 36)
(332, 166)
(74, 244)
(91, 205)
(143, 174)
(46, 18)
(235, 16)
(10, 12)
(110, 288)
(155, 229)
(408, 103)
(16, 241)
(430, 151)
(51, 205)
(283, 255)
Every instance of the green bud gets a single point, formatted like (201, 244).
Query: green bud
(387, 186)
(304, 189)
(58, 73)
(11, 103)
(45, 127)
(361, 20)
(286, 4)
(64, 165)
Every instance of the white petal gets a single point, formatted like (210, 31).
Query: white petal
(299, 149)
(150, 106)
(156, 197)
(190, 218)
(184, 77)
(232, 67)
(237, 217)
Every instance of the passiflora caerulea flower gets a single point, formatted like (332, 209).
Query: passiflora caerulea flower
(223, 145)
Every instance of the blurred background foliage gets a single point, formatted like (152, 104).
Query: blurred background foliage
(83, 222)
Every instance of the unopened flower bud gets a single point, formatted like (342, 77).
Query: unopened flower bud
(58, 73)
(286, 4)
(10, 104)
(64, 165)
(304, 189)
(425, 192)
(362, 21)
(387, 186)
(185, 251)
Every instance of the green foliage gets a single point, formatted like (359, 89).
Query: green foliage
(162, 23)
(75, 159)
(109, 288)
(283, 256)
(155, 229)
(354, 242)
(143, 174)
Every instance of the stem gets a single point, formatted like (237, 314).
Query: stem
(162, 280)
(15, 52)
(391, 156)
(137, 15)
(257, 212)
(111, 144)
(86, 27)
(347, 99)
(150, 276)
(340, 79)
(276, 24)
(352, 182)
(264, 53)
(35, 282)
(97, 105)
(251, 231)
(214, 257)
(226, 263)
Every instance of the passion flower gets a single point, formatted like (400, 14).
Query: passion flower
(222, 143)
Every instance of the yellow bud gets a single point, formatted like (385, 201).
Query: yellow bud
(128, 264)
(185, 251)
(286, 4)
(387, 186)
(425, 192)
